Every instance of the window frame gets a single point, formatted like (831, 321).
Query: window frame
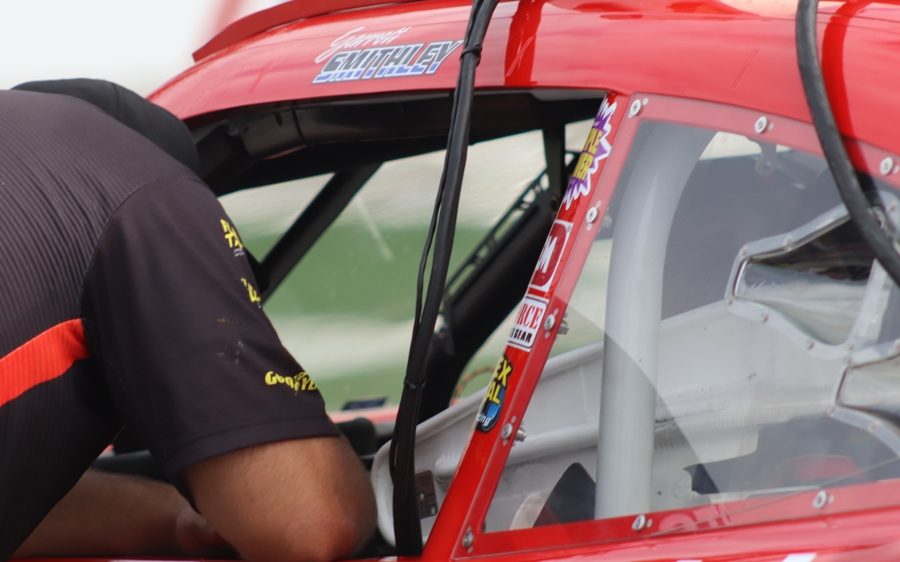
(458, 528)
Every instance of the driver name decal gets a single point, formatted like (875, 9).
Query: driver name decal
(368, 56)
(493, 399)
(596, 148)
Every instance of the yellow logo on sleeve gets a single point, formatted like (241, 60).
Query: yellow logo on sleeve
(301, 382)
(231, 236)
(252, 293)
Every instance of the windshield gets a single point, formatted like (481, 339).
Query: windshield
(345, 311)
(730, 342)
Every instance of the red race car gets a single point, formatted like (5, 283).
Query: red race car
(691, 307)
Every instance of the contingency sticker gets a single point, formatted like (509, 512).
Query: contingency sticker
(596, 148)
(358, 55)
(496, 392)
(548, 262)
(528, 322)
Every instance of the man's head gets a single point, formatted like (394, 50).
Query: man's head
(130, 109)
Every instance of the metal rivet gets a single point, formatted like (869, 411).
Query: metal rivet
(761, 124)
(549, 322)
(821, 500)
(468, 538)
(506, 431)
(635, 108)
(886, 166)
(591, 214)
(639, 522)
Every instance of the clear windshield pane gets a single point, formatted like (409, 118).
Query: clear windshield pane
(707, 342)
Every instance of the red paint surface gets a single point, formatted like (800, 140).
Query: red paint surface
(702, 50)
(41, 359)
(699, 50)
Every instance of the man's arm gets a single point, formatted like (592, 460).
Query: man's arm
(115, 515)
(288, 501)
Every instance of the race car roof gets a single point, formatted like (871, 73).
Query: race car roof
(739, 52)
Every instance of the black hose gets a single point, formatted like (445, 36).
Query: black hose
(864, 209)
(407, 529)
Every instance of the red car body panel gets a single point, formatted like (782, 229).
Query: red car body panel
(700, 50)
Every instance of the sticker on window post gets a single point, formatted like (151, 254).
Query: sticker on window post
(596, 148)
(528, 323)
(496, 393)
(548, 262)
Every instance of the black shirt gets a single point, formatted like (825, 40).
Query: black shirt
(125, 296)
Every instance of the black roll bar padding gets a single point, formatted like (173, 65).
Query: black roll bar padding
(331, 200)
(407, 527)
(555, 156)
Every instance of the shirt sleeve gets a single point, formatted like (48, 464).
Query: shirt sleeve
(174, 320)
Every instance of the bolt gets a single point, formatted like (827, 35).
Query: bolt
(468, 538)
(521, 435)
(591, 215)
(761, 124)
(821, 500)
(639, 522)
(549, 322)
(635, 108)
(506, 431)
(887, 166)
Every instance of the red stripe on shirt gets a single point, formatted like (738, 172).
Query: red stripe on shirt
(42, 358)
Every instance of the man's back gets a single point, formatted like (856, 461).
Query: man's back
(127, 297)
(65, 168)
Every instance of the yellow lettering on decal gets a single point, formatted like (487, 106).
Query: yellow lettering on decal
(592, 140)
(593, 143)
(583, 166)
(502, 373)
(493, 392)
(499, 380)
(231, 235)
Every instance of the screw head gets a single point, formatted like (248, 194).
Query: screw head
(761, 124)
(639, 522)
(468, 538)
(821, 499)
(506, 431)
(549, 322)
(635, 108)
(887, 166)
(591, 215)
